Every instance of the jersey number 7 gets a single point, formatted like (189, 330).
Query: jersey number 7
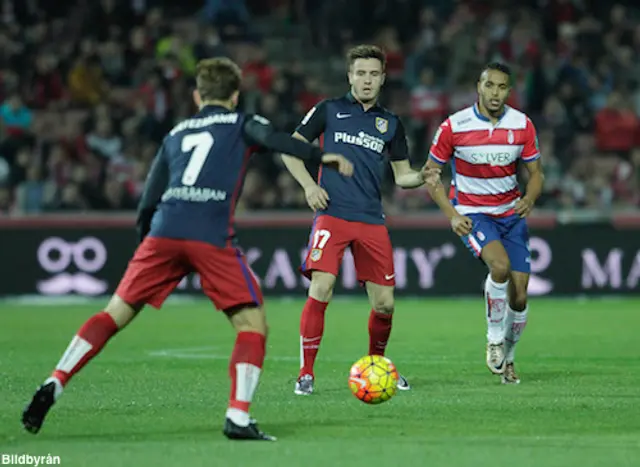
(199, 145)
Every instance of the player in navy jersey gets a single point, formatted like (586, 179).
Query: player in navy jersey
(349, 210)
(485, 144)
(185, 223)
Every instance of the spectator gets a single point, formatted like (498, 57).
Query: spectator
(226, 12)
(33, 195)
(17, 118)
(428, 108)
(87, 84)
(103, 141)
(103, 81)
(46, 84)
(173, 46)
(616, 126)
(258, 66)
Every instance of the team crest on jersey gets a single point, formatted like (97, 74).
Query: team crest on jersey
(510, 137)
(316, 254)
(382, 124)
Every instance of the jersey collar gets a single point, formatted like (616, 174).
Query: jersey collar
(476, 111)
(350, 97)
(214, 107)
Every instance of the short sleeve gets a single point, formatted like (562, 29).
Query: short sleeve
(314, 123)
(398, 150)
(442, 145)
(531, 149)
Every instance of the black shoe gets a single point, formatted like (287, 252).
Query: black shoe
(249, 432)
(33, 415)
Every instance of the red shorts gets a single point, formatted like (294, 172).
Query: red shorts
(370, 246)
(159, 264)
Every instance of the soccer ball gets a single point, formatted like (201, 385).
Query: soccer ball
(373, 379)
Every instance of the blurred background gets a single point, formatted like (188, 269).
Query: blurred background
(89, 87)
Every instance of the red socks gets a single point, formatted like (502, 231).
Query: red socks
(311, 330)
(245, 367)
(86, 344)
(379, 332)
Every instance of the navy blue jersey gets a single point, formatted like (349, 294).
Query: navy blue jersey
(197, 175)
(368, 139)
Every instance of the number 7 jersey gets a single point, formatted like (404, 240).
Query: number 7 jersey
(198, 175)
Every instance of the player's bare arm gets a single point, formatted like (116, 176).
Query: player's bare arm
(460, 224)
(297, 168)
(317, 197)
(403, 174)
(534, 188)
(311, 127)
(406, 177)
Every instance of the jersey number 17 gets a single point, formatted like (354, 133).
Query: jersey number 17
(199, 145)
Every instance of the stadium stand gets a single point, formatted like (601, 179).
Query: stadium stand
(88, 88)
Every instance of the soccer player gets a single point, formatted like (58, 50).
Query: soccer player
(484, 144)
(185, 221)
(349, 210)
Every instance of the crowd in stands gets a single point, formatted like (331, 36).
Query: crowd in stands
(88, 88)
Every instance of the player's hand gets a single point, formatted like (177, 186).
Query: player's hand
(341, 163)
(523, 207)
(461, 225)
(430, 175)
(317, 197)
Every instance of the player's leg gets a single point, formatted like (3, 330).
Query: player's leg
(382, 304)
(312, 328)
(495, 296)
(151, 275)
(516, 244)
(484, 241)
(373, 258)
(229, 282)
(245, 368)
(328, 240)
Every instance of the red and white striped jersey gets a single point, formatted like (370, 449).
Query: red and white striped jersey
(484, 158)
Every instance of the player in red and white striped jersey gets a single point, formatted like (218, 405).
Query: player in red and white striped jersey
(485, 144)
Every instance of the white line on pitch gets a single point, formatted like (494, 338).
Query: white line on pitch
(208, 353)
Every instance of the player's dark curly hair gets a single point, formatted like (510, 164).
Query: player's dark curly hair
(498, 66)
(217, 78)
(366, 51)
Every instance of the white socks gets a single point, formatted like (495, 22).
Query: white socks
(503, 323)
(58, 390)
(496, 309)
(514, 325)
(237, 416)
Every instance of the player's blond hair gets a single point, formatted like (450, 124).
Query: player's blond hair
(217, 78)
(366, 51)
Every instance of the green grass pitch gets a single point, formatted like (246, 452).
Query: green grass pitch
(158, 392)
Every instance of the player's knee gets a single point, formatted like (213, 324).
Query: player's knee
(321, 287)
(500, 269)
(383, 303)
(248, 320)
(121, 312)
(518, 301)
